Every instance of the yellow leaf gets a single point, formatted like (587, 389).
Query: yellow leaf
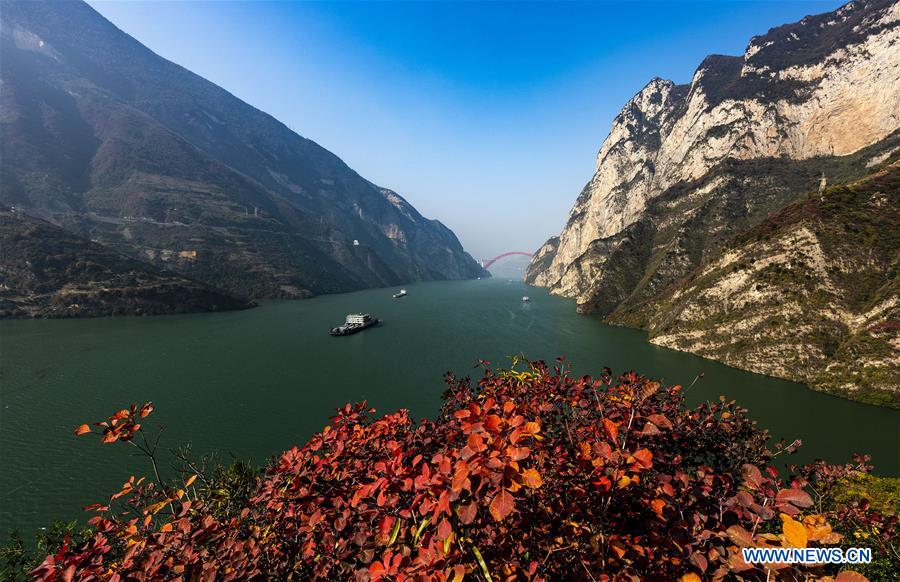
(794, 531)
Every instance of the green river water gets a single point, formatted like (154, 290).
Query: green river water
(253, 383)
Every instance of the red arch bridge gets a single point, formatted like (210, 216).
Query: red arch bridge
(486, 263)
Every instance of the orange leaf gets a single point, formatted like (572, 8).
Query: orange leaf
(501, 505)
(532, 427)
(612, 431)
(83, 429)
(643, 459)
(190, 480)
(689, 577)
(459, 478)
(531, 478)
(492, 423)
(794, 531)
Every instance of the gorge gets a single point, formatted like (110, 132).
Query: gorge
(686, 168)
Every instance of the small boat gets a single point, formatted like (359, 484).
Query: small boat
(525, 299)
(355, 322)
(402, 293)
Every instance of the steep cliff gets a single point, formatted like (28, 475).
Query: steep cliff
(106, 139)
(811, 294)
(687, 166)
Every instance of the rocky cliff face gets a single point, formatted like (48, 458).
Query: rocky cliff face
(48, 272)
(686, 166)
(812, 294)
(106, 139)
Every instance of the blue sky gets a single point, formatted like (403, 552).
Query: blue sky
(486, 116)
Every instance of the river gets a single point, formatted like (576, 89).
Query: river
(253, 383)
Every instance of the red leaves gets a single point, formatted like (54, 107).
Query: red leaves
(467, 513)
(122, 425)
(501, 505)
(792, 500)
(616, 478)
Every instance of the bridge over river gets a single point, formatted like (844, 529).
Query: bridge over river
(486, 263)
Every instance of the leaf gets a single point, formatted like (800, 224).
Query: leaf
(83, 429)
(531, 478)
(460, 476)
(660, 421)
(850, 576)
(476, 442)
(421, 527)
(394, 532)
(739, 536)
(531, 428)
(611, 430)
(190, 480)
(797, 497)
(467, 513)
(794, 531)
(480, 560)
(689, 577)
(492, 423)
(643, 459)
(501, 505)
(752, 476)
(518, 453)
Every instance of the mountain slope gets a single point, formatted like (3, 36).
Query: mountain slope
(812, 294)
(47, 272)
(687, 166)
(110, 141)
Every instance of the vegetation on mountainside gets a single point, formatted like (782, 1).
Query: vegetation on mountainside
(812, 294)
(116, 144)
(529, 474)
(47, 272)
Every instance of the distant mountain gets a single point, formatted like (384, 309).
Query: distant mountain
(811, 294)
(48, 272)
(685, 168)
(113, 143)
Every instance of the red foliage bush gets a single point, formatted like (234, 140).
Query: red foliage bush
(527, 475)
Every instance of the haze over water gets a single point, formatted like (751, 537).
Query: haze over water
(255, 382)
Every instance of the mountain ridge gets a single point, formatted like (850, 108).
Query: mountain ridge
(687, 167)
(113, 143)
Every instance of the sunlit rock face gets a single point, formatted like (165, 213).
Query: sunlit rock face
(686, 166)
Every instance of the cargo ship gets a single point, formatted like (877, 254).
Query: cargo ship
(355, 322)
(402, 293)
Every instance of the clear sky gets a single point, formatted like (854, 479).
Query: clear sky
(486, 116)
